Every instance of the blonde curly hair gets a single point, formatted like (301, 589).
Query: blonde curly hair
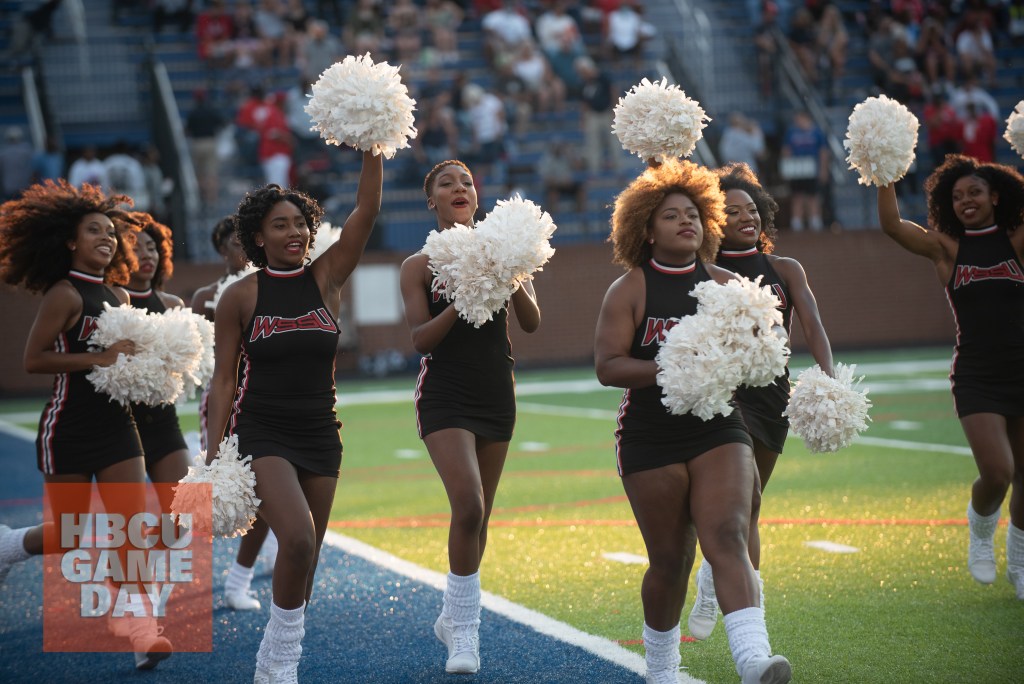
(635, 205)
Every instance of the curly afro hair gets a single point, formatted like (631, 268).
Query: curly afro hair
(1005, 180)
(257, 204)
(222, 231)
(36, 228)
(741, 177)
(635, 205)
(164, 240)
(428, 182)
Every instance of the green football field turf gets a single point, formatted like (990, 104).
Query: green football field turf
(863, 551)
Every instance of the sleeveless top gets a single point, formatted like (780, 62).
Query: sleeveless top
(986, 294)
(76, 412)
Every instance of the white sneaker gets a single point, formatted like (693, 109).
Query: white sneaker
(463, 644)
(7, 558)
(289, 674)
(1016, 577)
(768, 670)
(981, 559)
(704, 614)
(241, 600)
(261, 677)
(150, 647)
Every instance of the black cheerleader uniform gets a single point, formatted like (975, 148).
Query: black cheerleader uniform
(761, 407)
(158, 425)
(285, 400)
(648, 435)
(986, 293)
(82, 431)
(467, 381)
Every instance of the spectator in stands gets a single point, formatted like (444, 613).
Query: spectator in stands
(559, 171)
(882, 36)
(442, 19)
(202, 127)
(1015, 21)
(980, 134)
(742, 141)
(27, 28)
(975, 49)
(307, 140)
(274, 149)
(404, 26)
(88, 169)
(215, 30)
(803, 40)
(364, 28)
(486, 116)
(934, 52)
(125, 175)
(546, 92)
(319, 50)
(178, 11)
(296, 18)
(15, 163)
(556, 26)
(248, 47)
(437, 136)
(833, 41)
(48, 163)
(906, 82)
(158, 186)
(944, 127)
(626, 31)
(505, 29)
(972, 93)
(563, 64)
(597, 98)
(764, 42)
(272, 27)
(804, 164)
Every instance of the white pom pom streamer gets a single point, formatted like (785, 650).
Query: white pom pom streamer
(1015, 129)
(227, 282)
(193, 335)
(729, 342)
(326, 235)
(479, 269)
(881, 138)
(144, 376)
(234, 491)
(658, 120)
(364, 105)
(828, 412)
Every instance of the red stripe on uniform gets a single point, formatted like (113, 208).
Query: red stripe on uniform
(57, 402)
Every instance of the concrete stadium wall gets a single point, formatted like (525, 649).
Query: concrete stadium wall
(870, 293)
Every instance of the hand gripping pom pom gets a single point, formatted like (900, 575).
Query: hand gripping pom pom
(364, 105)
(1015, 129)
(479, 269)
(729, 342)
(144, 377)
(828, 412)
(881, 138)
(658, 121)
(233, 487)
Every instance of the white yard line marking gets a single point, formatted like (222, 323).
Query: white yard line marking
(599, 646)
(905, 425)
(409, 453)
(831, 547)
(627, 558)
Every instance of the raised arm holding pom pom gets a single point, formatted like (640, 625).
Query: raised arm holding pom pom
(975, 239)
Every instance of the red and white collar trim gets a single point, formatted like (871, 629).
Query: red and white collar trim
(139, 294)
(281, 273)
(674, 270)
(982, 231)
(736, 253)
(87, 277)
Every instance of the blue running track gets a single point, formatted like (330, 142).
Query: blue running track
(370, 620)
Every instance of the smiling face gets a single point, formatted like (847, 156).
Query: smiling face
(676, 229)
(453, 197)
(284, 236)
(94, 245)
(742, 221)
(974, 202)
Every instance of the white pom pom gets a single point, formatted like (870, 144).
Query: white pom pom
(828, 412)
(234, 491)
(363, 105)
(881, 138)
(192, 347)
(144, 376)
(326, 235)
(1015, 129)
(658, 120)
(227, 282)
(729, 342)
(479, 269)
